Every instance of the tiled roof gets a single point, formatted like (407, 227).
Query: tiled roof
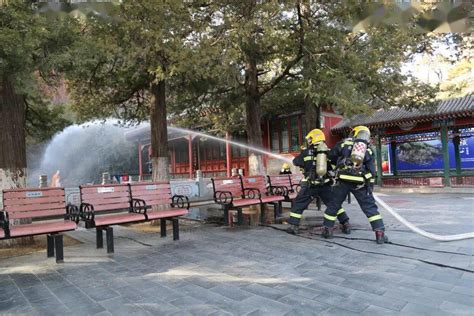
(447, 109)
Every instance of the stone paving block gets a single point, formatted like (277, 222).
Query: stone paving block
(412, 297)
(377, 310)
(267, 306)
(345, 303)
(328, 278)
(220, 302)
(369, 287)
(416, 309)
(299, 301)
(25, 280)
(37, 293)
(331, 288)
(463, 290)
(300, 290)
(265, 291)
(337, 311)
(456, 308)
(161, 308)
(447, 296)
(84, 306)
(117, 306)
(232, 292)
(101, 293)
(185, 301)
(409, 280)
(379, 301)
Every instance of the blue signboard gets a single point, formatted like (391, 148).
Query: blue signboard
(427, 155)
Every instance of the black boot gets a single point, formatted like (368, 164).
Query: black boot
(380, 237)
(327, 232)
(293, 229)
(346, 227)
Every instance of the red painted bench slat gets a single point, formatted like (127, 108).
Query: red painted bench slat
(42, 228)
(120, 218)
(33, 214)
(39, 200)
(32, 207)
(32, 193)
(152, 215)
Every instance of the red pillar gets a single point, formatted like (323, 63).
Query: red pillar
(140, 166)
(190, 152)
(228, 154)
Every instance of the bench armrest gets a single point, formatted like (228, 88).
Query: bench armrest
(86, 211)
(138, 206)
(279, 190)
(252, 193)
(295, 188)
(180, 201)
(223, 197)
(72, 213)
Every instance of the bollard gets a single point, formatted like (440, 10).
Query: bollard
(106, 178)
(43, 181)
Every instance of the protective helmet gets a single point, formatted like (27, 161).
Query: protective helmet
(285, 166)
(361, 132)
(315, 136)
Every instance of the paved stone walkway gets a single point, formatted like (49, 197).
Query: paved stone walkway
(258, 271)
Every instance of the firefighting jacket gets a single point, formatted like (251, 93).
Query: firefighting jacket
(307, 161)
(339, 157)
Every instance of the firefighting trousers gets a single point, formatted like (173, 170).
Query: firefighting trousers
(306, 195)
(364, 198)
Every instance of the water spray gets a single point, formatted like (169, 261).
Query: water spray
(421, 231)
(252, 148)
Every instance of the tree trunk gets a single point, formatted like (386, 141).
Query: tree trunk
(252, 109)
(312, 114)
(12, 147)
(159, 133)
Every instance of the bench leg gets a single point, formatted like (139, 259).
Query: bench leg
(99, 237)
(280, 209)
(58, 244)
(163, 227)
(50, 243)
(240, 217)
(262, 213)
(226, 216)
(109, 232)
(175, 229)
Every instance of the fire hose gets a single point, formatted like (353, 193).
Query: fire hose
(418, 230)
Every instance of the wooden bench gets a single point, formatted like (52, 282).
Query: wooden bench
(106, 205)
(153, 198)
(268, 195)
(43, 206)
(283, 183)
(229, 194)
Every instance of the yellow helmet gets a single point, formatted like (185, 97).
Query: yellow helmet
(361, 132)
(285, 166)
(315, 136)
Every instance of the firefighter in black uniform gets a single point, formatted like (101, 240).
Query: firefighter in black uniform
(354, 160)
(316, 182)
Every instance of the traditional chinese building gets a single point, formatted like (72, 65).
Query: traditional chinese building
(422, 148)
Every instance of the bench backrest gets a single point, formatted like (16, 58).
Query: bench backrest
(153, 193)
(233, 185)
(296, 178)
(33, 202)
(282, 180)
(106, 197)
(257, 182)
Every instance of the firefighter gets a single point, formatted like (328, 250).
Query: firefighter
(355, 169)
(285, 169)
(316, 182)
